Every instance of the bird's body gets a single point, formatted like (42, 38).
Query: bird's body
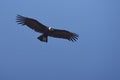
(46, 31)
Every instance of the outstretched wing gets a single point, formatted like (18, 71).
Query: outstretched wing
(31, 23)
(63, 34)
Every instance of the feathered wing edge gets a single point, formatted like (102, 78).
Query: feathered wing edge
(64, 34)
(20, 19)
(74, 37)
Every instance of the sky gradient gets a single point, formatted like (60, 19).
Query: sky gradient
(95, 56)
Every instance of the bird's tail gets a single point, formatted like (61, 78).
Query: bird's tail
(43, 38)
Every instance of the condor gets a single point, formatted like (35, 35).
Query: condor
(46, 31)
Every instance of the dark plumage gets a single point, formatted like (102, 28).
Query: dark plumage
(46, 31)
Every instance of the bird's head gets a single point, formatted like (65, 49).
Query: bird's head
(51, 29)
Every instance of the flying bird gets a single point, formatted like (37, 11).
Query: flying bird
(45, 30)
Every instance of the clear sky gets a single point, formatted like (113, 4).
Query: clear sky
(95, 56)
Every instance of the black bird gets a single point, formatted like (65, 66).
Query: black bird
(46, 31)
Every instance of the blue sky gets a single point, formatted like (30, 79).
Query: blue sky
(95, 56)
